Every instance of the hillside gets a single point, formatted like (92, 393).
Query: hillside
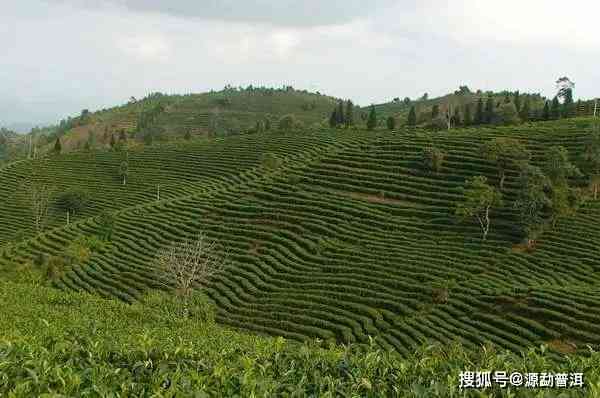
(346, 238)
(229, 111)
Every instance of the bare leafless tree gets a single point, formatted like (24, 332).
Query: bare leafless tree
(39, 195)
(189, 264)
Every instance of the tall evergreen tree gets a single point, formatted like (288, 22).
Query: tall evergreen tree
(391, 123)
(340, 113)
(468, 118)
(333, 118)
(524, 111)
(372, 119)
(555, 108)
(435, 111)
(479, 118)
(349, 113)
(546, 111)
(489, 110)
(568, 103)
(456, 120)
(57, 145)
(517, 101)
(412, 116)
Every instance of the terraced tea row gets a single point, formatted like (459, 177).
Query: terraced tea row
(350, 238)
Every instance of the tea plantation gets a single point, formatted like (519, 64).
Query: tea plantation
(339, 235)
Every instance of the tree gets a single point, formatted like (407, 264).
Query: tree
(565, 86)
(112, 141)
(507, 97)
(73, 200)
(456, 119)
(592, 158)
(532, 202)
(478, 200)
(190, 264)
(524, 112)
(349, 113)
(424, 97)
(546, 111)
(124, 171)
(517, 101)
(489, 110)
(287, 122)
(57, 145)
(391, 123)
(267, 124)
(479, 113)
(558, 168)
(106, 221)
(555, 109)
(468, 118)
(508, 114)
(340, 117)
(333, 118)
(435, 111)
(372, 119)
(433, 158)
(505, 152)
(406, 101)
(39, 197)
(412, 117)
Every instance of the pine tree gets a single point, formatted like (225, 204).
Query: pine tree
(555, 108)
(546, 111)
(372, 119)
(333, 118)
(568, 103)
(57, 145)
(517, 101)
(489, 111)
(479, 113)
(524, 111)
(412, 117)
(435, 111)
(456, 121)
(349, 113)
(468, 118)
(340, 113)
(391, 123)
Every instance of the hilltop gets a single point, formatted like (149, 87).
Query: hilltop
(161, 117)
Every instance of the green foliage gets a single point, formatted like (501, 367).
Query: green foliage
(271, 161)
(75, 344)
(555, 109)
(533, 201)
(412, 117)
(508, 114)
(558, 167)
(391, 123)
(591, 157)
(433, 158)
(372, 120)
(73, 200)
(288, 123)
(106, 221)
(478, 199)
(57, 146)
(505, 152)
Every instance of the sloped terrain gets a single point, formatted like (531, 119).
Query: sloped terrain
(347, 238)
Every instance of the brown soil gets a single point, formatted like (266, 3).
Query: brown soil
(562, 346)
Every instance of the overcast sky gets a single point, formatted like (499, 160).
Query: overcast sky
(60, 56)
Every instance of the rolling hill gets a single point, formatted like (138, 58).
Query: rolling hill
(346, 238)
